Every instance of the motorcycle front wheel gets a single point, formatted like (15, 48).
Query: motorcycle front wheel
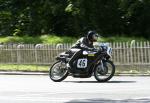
(58, 72)
(105, 74)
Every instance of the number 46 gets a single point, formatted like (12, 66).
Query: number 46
(82, 63)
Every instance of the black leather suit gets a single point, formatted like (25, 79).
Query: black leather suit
(82, 44)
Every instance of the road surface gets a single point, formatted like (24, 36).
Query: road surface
(40, 89)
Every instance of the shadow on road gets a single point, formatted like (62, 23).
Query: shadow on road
(144, 100)
(99, 82)
(121, 82)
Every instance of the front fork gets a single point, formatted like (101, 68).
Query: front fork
(101, 65)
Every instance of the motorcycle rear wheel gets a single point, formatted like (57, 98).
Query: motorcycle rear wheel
(58, 72)
(109, 73)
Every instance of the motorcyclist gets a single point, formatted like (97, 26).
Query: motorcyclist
(84, 43)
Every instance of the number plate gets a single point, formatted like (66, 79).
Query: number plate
(82, 63)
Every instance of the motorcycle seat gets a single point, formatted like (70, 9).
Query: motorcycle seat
(64, 54)
(74, 50)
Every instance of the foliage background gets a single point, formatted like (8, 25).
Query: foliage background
(75, 17)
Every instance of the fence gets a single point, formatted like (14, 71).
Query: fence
(125, 54)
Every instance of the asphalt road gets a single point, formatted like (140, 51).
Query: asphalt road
(40, 89)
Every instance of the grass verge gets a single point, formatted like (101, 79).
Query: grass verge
(46, 39)
(49, 39)
(45, 68)
(32, 68)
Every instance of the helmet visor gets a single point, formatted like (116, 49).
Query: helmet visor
(95, 37)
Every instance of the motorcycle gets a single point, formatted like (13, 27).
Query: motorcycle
(96, 62)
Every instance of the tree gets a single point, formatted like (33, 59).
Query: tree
(75, 17)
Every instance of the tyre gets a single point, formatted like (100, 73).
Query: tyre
(105, 74)
(58, 72)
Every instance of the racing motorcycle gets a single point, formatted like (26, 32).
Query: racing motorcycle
(96, 62)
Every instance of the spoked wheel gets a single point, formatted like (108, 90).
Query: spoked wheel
(105, 73)
(58, 72)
